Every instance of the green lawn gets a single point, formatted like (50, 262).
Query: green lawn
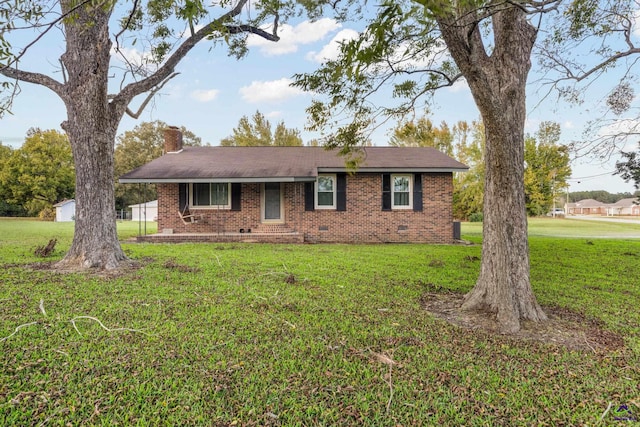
(560, 227)
(287, 335)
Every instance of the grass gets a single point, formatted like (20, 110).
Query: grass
(570, 227)
(309, 335)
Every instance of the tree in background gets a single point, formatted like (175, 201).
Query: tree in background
(547, 168)
(6, 208)
(422, 133)
(468, 195)
(257, 132)
(137, 147)
(601, 195)
(629, 168)
(38, 174)
(93, 36)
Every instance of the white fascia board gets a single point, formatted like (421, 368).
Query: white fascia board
(392, 170)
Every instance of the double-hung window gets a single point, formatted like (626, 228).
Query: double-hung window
(326, 192)
(211, 194)
(401, 188)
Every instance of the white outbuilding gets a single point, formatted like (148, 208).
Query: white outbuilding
(147, 211)
(65, 210)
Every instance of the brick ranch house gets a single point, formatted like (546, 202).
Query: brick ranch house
(299, 194)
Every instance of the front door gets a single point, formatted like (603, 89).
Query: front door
(272, 202)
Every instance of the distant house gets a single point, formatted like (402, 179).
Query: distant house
(65, 210)
(300, 194)
(147, 211)
(628, 206)
(587, 207)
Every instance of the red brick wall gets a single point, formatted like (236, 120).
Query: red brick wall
(363, 221)
(215, 221)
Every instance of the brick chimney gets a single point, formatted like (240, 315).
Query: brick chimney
(172, 140)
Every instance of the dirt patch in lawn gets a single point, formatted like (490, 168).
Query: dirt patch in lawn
(565, 328)
(125, 268)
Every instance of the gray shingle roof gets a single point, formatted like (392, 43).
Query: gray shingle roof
(589, 203)
(626, 202)
(260, 164)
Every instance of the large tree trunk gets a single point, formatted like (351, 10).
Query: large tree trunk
(498, 82)
(91, 126)
(95, 241)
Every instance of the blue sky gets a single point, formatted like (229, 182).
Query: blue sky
(213, 91)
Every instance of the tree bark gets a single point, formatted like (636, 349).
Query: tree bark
(497, 80)
(91, 126)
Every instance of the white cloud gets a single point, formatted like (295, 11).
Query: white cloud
(134, 57)
(330, 50)
(292, 37)
(271, 91)
(636, 23)
(202, 95)
(568, 125)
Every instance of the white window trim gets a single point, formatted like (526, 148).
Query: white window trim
(333, 206)
(226, 206)
(393, 199)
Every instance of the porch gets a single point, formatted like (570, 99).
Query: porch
(264, 233)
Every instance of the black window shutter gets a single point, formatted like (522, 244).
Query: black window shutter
(417, 192)
(309, 196)
(183, 196)
(236, 196)
(341, 192)
(386, 192)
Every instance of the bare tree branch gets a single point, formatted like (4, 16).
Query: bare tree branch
(150, 96)
(35, 78)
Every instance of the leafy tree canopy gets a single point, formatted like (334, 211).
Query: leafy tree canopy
(601, 196)
(468, 196)
(6, 208)
(257, 132)
(422, 133)
(547, 168)
(40, 173)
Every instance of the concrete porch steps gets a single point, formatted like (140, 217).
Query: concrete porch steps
(272, 229)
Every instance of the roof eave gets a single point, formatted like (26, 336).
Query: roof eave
(287, 178)
(392, 170)
(216, 179)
